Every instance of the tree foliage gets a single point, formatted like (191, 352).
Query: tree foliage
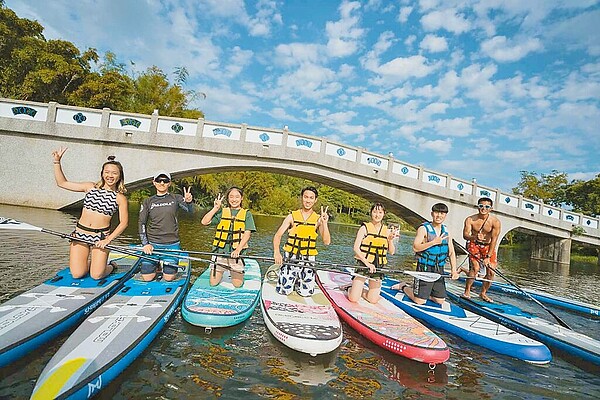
(35, 69)
(554, 189)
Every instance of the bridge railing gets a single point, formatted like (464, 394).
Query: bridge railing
(154, 124)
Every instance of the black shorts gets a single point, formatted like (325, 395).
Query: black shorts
(424, 290)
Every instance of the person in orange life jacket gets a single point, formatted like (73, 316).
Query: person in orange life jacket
(158, 226)
(433, 246)
(102, 200)
(372, 244)
(303, 227)
(234, 227)
(481, 231)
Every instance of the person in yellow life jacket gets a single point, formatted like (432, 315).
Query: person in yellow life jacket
(234, 227)
(374, 241)
(303, 227)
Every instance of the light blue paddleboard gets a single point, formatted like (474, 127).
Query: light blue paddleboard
(222, 305)
(39, 315)
(112, 337)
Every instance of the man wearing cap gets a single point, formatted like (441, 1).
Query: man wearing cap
(158, 225)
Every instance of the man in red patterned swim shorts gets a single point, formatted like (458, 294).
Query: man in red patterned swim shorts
(481, 231)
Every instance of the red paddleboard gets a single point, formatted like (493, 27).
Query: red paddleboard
(383, 323)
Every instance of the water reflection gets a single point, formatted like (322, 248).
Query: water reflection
(246, 362)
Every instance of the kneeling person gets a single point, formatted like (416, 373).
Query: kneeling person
(158, 226)
(234, 228)
(432, 245)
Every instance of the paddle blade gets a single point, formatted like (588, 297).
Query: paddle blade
(9, 223)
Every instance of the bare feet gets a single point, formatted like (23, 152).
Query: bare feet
(400, 286)
(485, 298)
(466, 295)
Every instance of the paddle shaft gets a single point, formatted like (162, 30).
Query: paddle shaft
(120, 249)
(496, 270)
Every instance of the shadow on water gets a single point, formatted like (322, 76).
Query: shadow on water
(246, 362)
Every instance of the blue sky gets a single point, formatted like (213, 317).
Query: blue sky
(478, 89)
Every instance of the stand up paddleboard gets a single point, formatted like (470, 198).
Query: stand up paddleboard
(470, 327)
(383, 323)
(546, 298)
(222, 305)
(552, 335)
(112, 337)
(306, 324)
(41, 314)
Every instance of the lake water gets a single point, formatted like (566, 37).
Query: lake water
(246, 362)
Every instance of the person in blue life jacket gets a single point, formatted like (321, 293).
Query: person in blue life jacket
(159, 228)
(234, 228)
(303, 226)
(433, 247)
(374, 241)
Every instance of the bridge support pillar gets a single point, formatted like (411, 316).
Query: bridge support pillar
(551, 249)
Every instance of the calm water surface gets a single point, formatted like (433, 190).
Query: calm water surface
(246, 362)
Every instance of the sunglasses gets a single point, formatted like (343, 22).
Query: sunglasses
(486, 206)
(162, 180)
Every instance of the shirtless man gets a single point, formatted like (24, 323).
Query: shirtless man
(481, 231)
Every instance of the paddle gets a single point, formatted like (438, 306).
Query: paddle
(9, 223)
(496, 270)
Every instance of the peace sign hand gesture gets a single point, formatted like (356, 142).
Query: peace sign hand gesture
(218, 201)
(187, 194)
(57, 154)
(324, 215)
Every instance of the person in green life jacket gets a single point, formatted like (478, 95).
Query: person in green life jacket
(433, 246)
(372, 245)
(234, 228)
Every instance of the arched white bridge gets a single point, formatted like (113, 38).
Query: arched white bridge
(146, 143)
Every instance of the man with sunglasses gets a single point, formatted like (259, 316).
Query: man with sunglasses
(481, 231)
(158, 226)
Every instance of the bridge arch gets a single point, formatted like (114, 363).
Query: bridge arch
(144, 144)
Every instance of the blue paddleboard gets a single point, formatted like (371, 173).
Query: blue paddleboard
(222, 305)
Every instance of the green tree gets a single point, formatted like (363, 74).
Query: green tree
(584, 196)
(549, 188)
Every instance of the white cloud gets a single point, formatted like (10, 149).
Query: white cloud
(434, 44)
(502, 50)
(438, 146)
(402, 68)
(448, 19)
(344, 34)
(294, 54)
(454, 127)
(404, 14)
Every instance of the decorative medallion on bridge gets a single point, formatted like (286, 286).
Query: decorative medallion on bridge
(404, 170)
(550, 212)
(374, 160)
(507, 199)
(460, 186)
(264, 137)
(341, 152)
(222, 131)
(24, 110)
(485, 193)
(130, 122)
(304, 142)
(570, 218)
(434, 178)
(529, 206)
(176, 127)
(79, 118)
(589, 222)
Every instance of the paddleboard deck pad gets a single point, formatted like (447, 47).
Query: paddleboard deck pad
(383, 323)
(469, 326)
(39, 315)
(222, 305)
(306, 324)
(112, 337)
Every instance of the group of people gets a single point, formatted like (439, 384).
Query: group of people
(159, 235)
